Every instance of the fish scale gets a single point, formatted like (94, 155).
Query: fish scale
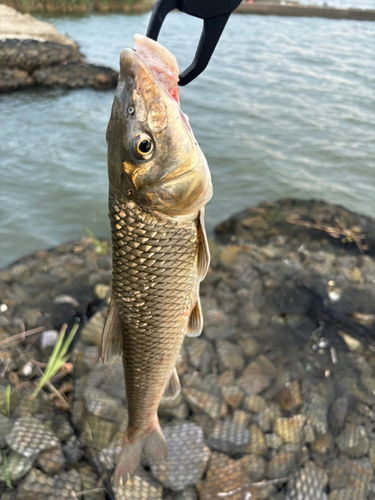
(156, 313)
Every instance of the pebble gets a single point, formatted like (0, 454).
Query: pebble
(225, 479)
(289, 398)
(176, 407)
(102, 405)
(241, 417)
(344, 472)
(187, 456)
(229, 437)
(250, 347)
(353, 441)
(307, 484)
(36, 485)
(109, 457)
(257, 444)
(273, 441)
(232, 395)
(266, 417)
(140, 486)
(90, 481)
(211, 405)
(18, 466)
(200, 353)
(72, 450)
(254, 466)
(66, 482)
(255, 404)
(253, 381)
(51, 461)
(322, 444)
(316, 411)
(6, 426)
(29, 436)
(190, 493)
(98, 432)
(290, 430)
(230, 356)
(281, 465)
(91, 333)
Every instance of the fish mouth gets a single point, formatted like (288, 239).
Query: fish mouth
(161, 64)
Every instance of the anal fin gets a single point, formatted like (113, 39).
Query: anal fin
(195, 324)
(203, 258)
(112, 335)
(173, 387)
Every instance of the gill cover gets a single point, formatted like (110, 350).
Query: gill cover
(153, 157)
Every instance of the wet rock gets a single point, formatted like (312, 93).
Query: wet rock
(17, 466)
(255, 404)
(91, 333)
(241, 417)
(232, 395)
(139, 486)
(257, 443)
(337, 414)
(200, 353)
(176, 407)
(250, 347)
(345, 473)
(66, 482)
(316, 410)
(187, 456)
(51, 461)
(322, 444)
(14, 79)
(289, 398)
(211, 405)
(229, 437)
(290, 430)
(281, 465)
(29, 436)
(226, 379)
(254, 466)
(36, 485)
(190, 493)
(307, 484)
(230, 356)
(224, 477)
(103, 405)
(217, 324)
(353, 441)
(109, 456)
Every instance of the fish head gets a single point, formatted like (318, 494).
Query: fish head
(153, 156)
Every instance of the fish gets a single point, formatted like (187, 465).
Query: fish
(159, 184)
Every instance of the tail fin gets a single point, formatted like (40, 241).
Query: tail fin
(155, 447)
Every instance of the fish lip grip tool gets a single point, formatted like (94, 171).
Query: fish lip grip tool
(215, 14)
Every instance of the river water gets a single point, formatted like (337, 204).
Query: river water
(285, 109)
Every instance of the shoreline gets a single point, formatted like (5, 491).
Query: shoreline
(80, 7)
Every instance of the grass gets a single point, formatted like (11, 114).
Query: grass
(101, 246)
(58, 357)
(6, 410)
(8, 481)
(79, 6)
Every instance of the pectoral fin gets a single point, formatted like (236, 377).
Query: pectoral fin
(173, 387)
(112, 335)
(203, 259)
(195, 325)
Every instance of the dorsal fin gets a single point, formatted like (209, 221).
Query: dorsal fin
(112, 335)
(203, 258)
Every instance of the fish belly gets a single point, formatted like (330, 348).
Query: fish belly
(155, 287)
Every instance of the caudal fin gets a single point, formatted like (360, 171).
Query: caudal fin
(154, 446)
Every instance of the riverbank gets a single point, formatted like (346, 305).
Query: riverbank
(80, 6)
(277, 392)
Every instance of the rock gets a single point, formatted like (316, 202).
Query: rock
(257, 444)
(290, 430)
(108, 457)
(229, 437)
(187, 456)
(17, 467)
(91, 333)
(200, 353)
(212, 406)
(250, 347)
(273, 441)
(63, 429)
(337, 414)
(6, 425)
(241, 417)
(307, 484)
(139, 486)
(353, 441)
(72, 450)
(176, 407)
(254, 403)
(190, 493)
(98, 432)
(66, 482)
(253, 381)
(224, 477)
(322, 444)
(36, 483)
(90, 481)
(281, 465)
(230, 356)
(266, 417)
(51, 461)
(226, 379)
(232, 395)
(290, 398)
(14, 79)
(316, 410)
(254, 466)
(76, 75)
(29, 436)
(345, 473)
(103, 405)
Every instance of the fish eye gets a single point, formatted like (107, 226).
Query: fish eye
(131, 110)
(143, 146)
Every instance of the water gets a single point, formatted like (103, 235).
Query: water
(286, 108)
